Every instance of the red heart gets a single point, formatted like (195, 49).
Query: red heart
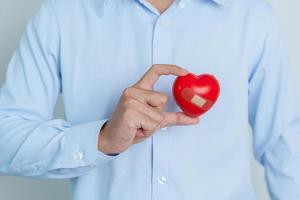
(195, 95)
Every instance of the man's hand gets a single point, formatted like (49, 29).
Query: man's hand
(140, 112)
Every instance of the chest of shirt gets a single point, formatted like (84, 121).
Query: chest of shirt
(112, 50)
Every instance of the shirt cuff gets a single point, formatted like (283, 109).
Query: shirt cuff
(80, 146)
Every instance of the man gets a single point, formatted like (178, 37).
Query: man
(119, 139)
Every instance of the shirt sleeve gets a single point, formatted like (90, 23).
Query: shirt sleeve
(274, 115)
(32, 144)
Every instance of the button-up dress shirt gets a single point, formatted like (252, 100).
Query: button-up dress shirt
(91, 50)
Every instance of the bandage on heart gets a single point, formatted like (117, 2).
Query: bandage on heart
(190, 95)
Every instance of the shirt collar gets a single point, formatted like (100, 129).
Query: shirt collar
(219, 2)
(223, 2)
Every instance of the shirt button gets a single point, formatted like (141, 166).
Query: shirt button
(78, 155)
(39, 167)
(162, 180)
(164, 129)
(181, 5)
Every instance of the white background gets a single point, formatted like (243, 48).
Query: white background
(14, 15)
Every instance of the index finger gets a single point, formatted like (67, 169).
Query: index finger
(153, 74)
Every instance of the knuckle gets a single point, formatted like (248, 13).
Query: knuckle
(127, 92)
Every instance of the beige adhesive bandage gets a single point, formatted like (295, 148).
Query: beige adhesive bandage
(189, 95)
(199, 101)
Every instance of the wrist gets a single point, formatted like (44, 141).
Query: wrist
(101, 139)
(103, 142)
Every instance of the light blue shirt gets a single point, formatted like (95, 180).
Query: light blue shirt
(91, 50)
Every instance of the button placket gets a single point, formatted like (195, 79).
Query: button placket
(161, 54)
(161, 41)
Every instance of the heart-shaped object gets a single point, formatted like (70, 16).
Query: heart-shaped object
(195, 95)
